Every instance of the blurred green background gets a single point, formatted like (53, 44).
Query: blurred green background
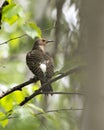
(52, 19)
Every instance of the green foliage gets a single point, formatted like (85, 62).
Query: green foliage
(11, 13)
(32, 30)
(14, 14)
(10, 1)
(3, 119)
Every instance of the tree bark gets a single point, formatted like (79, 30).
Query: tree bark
(92, 49)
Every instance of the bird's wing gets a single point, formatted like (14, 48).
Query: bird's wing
(50, 66)
(33, 60)
(40, 64)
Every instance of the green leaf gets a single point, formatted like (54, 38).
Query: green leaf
(32, 30)
(10, 1)
(11, 13)
(18, 96)
(3, 119)
(7, 103)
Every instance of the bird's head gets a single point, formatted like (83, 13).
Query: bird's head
(40, 44)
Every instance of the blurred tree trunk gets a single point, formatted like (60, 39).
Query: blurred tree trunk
(92, 48)
(59, 5)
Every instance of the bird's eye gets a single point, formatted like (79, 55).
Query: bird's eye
(43, 40)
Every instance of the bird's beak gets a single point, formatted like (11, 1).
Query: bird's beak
(49, 41)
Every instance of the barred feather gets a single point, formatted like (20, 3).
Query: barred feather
(33, 59)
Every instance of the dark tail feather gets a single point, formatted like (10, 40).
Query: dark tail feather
(47, 88)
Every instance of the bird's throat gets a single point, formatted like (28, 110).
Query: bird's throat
(42, 48)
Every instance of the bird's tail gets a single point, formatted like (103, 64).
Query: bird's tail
(46, 88)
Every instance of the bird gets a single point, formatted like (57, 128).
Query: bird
(41, 63)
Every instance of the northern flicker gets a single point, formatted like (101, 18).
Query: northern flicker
(40, 63)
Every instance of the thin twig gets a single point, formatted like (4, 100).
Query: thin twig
(59, 110)
(13, 39)
(37, 92)
(52, 111)
(23, 36)
(66, 93)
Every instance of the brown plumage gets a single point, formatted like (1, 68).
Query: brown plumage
(40, 63)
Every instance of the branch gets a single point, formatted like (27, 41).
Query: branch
(18, 87)
(37, 92)
(59, 110)
(66, 93)
(12, 39)
(51, 111)
(23, 36)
